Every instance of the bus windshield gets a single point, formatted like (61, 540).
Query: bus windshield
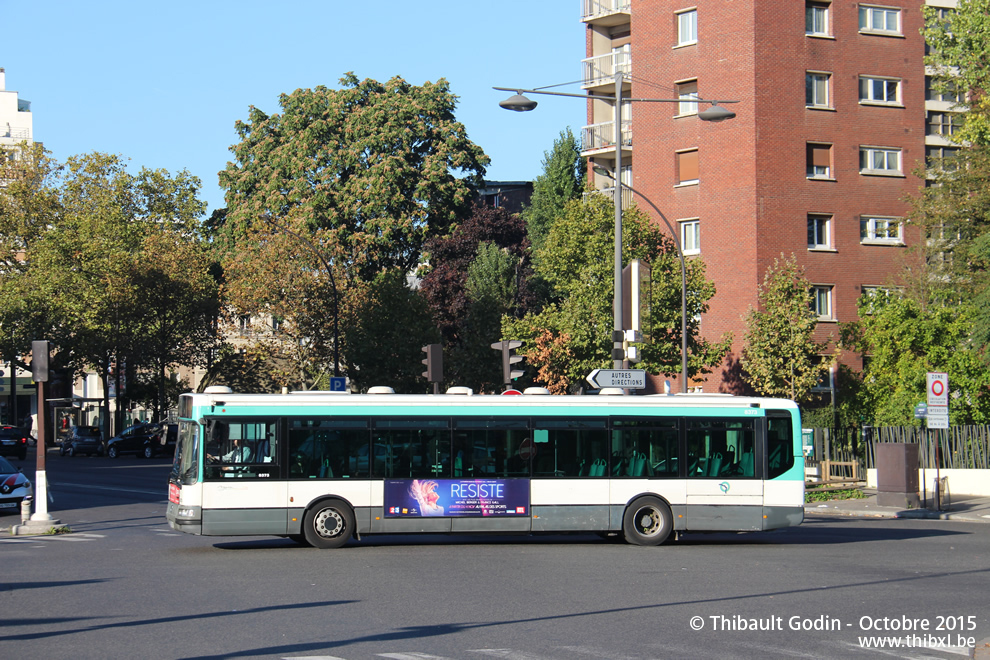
(185, 467)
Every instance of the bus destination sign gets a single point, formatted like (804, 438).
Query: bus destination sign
(632, 379)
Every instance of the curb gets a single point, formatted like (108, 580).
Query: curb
(916, 514)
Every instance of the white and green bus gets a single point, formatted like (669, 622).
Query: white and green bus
(323, 468)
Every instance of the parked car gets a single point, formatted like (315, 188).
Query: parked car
(13, 442)
(143, 439)
(82, 440)
(14, 486)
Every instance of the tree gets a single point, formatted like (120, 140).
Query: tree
(563, 179)
(477, 274)
(111, 227)
(389, 325)
(904, 341)
(781, 357)
(366, 175)
(959, 58)
(576, 261)
(180, 304)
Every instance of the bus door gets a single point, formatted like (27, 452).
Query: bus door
(243, 489)
(723, 491)
(570, 486)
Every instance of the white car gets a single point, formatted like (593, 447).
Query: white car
(14, 486)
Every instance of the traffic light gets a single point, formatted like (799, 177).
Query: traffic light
(433, 362)
(508, 359)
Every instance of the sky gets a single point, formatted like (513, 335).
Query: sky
(162, 83)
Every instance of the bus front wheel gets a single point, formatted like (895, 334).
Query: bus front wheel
(328, 524)
(647, 521)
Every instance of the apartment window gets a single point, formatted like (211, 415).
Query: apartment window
(816, 18)
(685, 91)
(878, 229)
(952, 94)
(884, 91)
(941, 157)
(816, 85)
(880, 160)
(821, 302)
(944, 123)
(819, 158)
(687, 167)
(691, 236)
(879, 19)
(819, 231)
(687, 27)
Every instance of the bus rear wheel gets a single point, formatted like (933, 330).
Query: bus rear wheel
(328, 524)
(647, 521)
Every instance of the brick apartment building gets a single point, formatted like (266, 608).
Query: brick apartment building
(831, 125)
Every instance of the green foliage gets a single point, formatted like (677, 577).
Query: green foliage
(389, 324)
(959, 56)
(781, 357)
(577, 261)
(372, 164)
(835, 494)
(905, 341)
(109, 267)
(563, 179)
(953, 263)
(363, 176)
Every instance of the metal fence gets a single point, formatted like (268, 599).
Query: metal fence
(958, 447)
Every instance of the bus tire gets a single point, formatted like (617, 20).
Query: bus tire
(647, 521)
(328, 524)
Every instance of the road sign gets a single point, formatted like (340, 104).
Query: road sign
(338, 384)
(938, 389)
(921, 411)
(938, 418)
(632, 379)
(511, 392)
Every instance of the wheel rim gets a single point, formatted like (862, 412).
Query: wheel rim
(329, 523)
(649, 521)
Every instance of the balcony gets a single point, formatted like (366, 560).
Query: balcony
(627, 195)
(605, 12)
(600, 138)
(601, 69)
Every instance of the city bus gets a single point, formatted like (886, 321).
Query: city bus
(323, 468)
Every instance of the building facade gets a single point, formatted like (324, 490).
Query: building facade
(833, 122)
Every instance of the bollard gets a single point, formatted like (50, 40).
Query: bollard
(26, 510)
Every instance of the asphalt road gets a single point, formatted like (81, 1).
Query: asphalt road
(124, 585)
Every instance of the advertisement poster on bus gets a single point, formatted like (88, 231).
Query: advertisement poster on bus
(416, 498)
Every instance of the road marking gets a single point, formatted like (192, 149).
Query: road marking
(508, 654)
(46, 538)
(412, 655)
(158, 491)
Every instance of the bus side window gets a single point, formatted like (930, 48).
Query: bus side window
(780, 446)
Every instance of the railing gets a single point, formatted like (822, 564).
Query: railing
(959, 447)
(602, 136)
(601, 69)
(596, 8)
(627, 195)
(15, 133)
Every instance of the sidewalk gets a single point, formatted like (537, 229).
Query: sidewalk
(965, 508)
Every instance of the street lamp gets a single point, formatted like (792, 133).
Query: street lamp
(333, 286)
(519, 103)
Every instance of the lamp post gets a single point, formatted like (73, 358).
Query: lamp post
(680, 255)
(519, 103)
(333, 286)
